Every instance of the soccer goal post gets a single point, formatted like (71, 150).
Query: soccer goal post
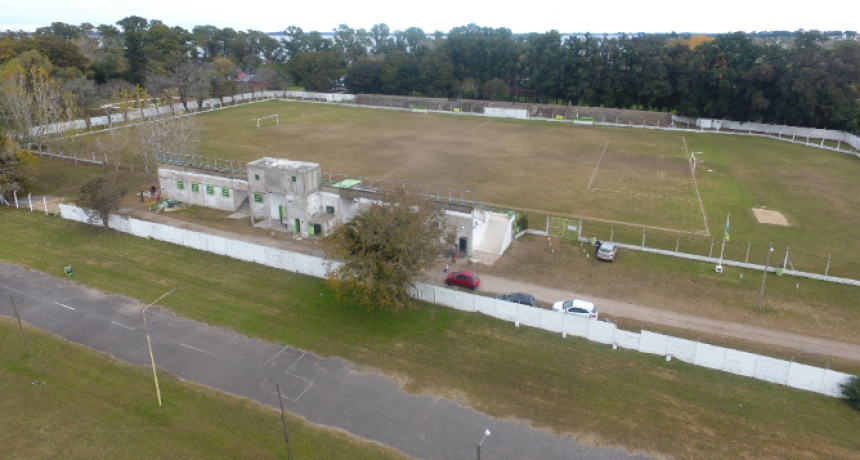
(258, 120)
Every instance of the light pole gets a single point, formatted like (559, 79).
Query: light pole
(761, 296)
(486, 433)
(148, 342)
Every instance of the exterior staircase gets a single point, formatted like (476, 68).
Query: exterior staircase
(496, 239)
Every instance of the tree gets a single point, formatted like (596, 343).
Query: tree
(29, 102)
(17, 168)
(363, 76)
(851, 390)
(86, 93)
(315, 70)
(134, 34)
(378, 255)
(100, 196)
(437, 74)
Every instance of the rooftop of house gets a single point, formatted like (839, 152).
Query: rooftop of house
(283, 164)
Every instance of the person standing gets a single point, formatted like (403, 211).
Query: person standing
(141, 196)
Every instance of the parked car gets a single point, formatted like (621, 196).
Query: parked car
(607, 251)
(520, 298)
(576, 307)
(463, 278)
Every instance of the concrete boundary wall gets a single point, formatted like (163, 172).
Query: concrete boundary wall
(795, 375)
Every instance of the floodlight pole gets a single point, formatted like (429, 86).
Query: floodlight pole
(149, 342)
(486, 433)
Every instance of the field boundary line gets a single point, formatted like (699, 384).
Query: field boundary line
(596, 219)
(598, 164)
(696, 185)
(621, 192)
(435, 149)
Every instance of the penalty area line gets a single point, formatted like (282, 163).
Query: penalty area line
(698, 195)
(598, 164)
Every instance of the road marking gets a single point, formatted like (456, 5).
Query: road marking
(598, 164)
(195, 349)
(296, 362)
(276, 355)
(64, 306)
(122, 325)
(13, 289)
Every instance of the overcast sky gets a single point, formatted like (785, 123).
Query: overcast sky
(529, 16)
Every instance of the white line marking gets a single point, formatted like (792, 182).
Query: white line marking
(276, 355)
(303, 392)
(122, 325)
(300, 394)
(13, 289)
(64, 306)
(296, 362)
(598, 164)
(696, 184)
(195, 349)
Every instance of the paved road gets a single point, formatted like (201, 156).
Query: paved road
(324, 391)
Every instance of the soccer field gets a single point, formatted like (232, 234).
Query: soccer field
(621, 181)
(624, 176)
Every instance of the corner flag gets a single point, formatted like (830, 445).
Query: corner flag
(726, 235)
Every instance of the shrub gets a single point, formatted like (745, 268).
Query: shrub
(851, 390)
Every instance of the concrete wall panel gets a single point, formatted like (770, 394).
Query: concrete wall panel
(710, 356)
(772, 370)
(740, 363)
(464, 301)
(444, 296)
(651, 342)
(529, 316)
(485, 305)
(805, 377)
(140, 228)
(683, 349)
(216, 245)
(506, 311)
(552, 321)
(195, 240)
(601, 332)
(831, 382)
(239, 250)
(576, 326)
(627, 339)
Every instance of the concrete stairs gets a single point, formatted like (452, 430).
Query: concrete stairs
(494, 236)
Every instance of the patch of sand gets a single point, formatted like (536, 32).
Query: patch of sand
(769, 216)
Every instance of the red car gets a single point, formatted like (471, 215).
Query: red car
(464, 278)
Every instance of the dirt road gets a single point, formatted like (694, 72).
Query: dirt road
(799, 342)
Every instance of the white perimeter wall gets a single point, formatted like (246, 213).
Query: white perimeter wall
(795, 375)
(506, 112)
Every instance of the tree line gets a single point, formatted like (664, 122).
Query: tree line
(794, 79)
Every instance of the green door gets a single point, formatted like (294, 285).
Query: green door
(298, 226)
(281, 212)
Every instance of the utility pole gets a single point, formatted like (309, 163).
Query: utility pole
(21, 326)
(761, 296)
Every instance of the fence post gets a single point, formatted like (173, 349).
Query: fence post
(677, 243)
(30, 201)
(45, 203)
(643, 237)
(547, 224)
(711, 252)
(746, 260)
(828, 265)
(611, 232)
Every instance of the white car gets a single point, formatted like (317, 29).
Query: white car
(578, 308)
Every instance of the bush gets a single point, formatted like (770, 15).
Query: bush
(522, 222)
(851, 390)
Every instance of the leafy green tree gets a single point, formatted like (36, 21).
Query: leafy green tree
(380, 37)
(400, 73)
(437, 74)
(134, 35)
(363, 77)
(377, 256)
(315, 70)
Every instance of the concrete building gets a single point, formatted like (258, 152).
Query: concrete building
(291, 196)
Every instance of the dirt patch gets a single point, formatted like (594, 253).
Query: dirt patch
(769, 216)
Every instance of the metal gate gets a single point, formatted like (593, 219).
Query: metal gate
(564, 228)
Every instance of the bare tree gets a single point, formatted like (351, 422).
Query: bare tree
(31, 103)
(100, 196)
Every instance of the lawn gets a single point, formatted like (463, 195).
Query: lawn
(88, 405)
(602, 396)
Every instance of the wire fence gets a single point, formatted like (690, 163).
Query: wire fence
(201, 162)
(738, 251)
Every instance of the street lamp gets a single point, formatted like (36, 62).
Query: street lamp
(486, 433)
(761, 296)
(154, 375)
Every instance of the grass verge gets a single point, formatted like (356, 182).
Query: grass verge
(569, 385)
(89, 405)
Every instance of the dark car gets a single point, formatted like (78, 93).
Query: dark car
(463, 278)
(520, 298)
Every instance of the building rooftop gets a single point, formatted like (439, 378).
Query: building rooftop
(283, 164)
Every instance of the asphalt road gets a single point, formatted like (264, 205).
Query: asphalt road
(326, 391)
